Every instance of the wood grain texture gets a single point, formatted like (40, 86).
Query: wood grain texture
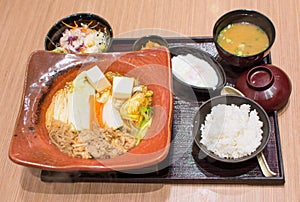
(24, 25)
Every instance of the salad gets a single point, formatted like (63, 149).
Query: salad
(82, 39)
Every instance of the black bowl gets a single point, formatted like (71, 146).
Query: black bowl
(194, 92)
(248, 16)
(205, 109)
(96, 22)
(141, 42)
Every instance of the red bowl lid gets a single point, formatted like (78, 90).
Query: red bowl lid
(266, 84)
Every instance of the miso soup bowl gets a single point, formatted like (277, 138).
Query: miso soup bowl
(244, 16)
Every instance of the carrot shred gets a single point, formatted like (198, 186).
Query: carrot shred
(90, 23)
(99, 111)
(70, 26)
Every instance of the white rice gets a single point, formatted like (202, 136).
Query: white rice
(231, 131)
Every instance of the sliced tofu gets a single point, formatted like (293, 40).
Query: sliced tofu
(74, 107)
(122, 87)
(79, 103)
(110, 116)
(97, 79)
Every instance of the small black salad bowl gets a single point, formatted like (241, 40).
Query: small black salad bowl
(93, 21)
(192, 92)
(205, 109)
(244, 16)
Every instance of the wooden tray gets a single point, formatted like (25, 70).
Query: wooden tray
(185, 163)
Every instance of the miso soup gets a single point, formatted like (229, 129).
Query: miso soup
(243, 39)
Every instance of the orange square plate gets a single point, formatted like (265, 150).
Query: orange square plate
(48, 72)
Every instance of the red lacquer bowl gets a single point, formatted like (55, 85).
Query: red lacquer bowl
(266, 84)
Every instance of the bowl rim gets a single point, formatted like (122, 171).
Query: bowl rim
(245, 11)
(217, 65)
(74, 15)
(197, 124)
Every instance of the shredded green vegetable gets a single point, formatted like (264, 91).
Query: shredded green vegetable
(146, 112)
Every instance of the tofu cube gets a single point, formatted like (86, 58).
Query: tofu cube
(122, 87)
(97, 79)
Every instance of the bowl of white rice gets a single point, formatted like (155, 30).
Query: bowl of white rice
(196, 72)
(231, 128)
